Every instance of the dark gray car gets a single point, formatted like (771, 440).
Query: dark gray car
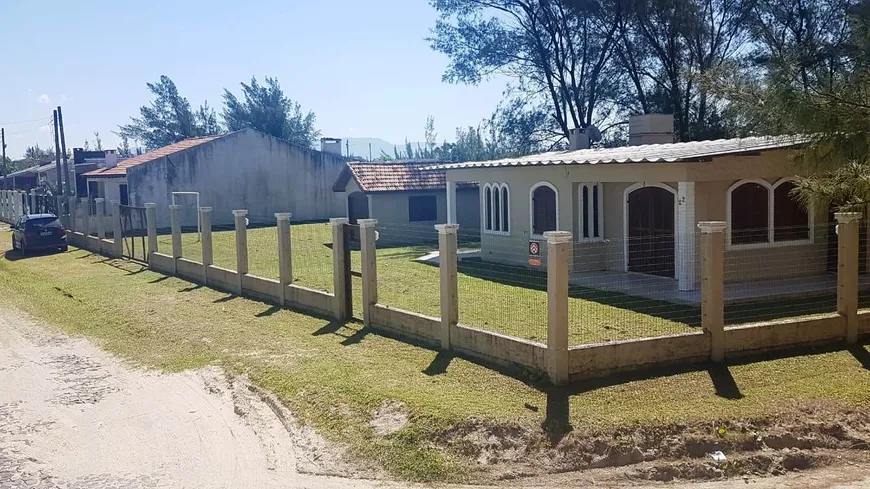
(38, 232)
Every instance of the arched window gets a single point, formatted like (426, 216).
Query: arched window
(487, 198)
(496, 205)
(544, 207)
(791, 222)
(750, 217)
(505, 211)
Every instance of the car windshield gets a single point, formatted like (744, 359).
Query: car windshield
(42, 223)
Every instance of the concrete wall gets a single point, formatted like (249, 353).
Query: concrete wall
(622, 356)
(243, 170)
(712, 179)
(759, 338)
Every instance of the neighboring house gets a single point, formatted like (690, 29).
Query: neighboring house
(636, 208)
(29, 178)
(401, 195)
(245, 169)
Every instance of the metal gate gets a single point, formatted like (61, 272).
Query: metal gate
(134, 233)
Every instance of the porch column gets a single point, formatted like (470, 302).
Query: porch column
(685, 256)
(451, 203)
(847, 272)
(713, 286)
(559, 249)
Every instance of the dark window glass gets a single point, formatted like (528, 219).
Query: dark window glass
(42, 223)
(497, 208)
(543, 210)
(749, 214)
(595, 224)
(422, 208)
(790, 221)
(488, 199)
(505, 213)
(125, 197)
(584, 210)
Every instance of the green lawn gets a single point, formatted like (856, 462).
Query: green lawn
(334, 375)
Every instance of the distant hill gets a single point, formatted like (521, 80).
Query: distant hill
(360, 147)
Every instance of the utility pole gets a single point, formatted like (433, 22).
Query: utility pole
(370, 151)
(71, 187)
(347, 150)
(57, 154)
(3, 145)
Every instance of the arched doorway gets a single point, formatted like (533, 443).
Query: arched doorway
(650, 230)
(357, 207)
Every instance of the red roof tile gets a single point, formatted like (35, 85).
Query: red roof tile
(120, 170)
(392, 176)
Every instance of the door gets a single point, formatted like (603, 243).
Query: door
(357, 207)
(651, 231)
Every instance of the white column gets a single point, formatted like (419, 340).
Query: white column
(451, 203)
(685, 253)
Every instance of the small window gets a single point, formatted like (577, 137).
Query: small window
(496, 204)
(543, 209)
(591, 212)
(423, 208)
(791, 222)
(505, 211)
(749, 214)
(125, 197)
(488, 202)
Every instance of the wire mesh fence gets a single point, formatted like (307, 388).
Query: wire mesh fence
(787, 273)
(408, 276)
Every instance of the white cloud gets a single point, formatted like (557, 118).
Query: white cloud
(63, 97)
(43, 99)
(45, 128)
(29, 90)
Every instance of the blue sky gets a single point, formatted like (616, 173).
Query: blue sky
(364, 67)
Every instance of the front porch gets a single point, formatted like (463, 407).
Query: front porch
(667, 289)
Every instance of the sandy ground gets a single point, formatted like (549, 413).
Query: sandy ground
(72, 416)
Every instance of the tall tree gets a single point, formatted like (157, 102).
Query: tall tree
(267, 109)
(558, 50)
(169, 118)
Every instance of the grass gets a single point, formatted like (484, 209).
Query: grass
(333, 375)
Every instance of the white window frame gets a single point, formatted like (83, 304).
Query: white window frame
(504, 208)
(771, 188)
(532, 207)
(581, 204)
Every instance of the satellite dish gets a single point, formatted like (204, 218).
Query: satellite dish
(593, 133)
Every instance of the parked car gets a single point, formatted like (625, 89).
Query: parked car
(38, 232)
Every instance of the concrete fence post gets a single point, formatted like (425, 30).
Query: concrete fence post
(85, 216)
(240, 217)
(33, 204)
(448, 271)
(713, 285)
(205, 228)
(175, 227)
(341, 269)
(151, 226)
(369, 251)
(285, 258)
(847, 272)
(117, 230)
(72, 206)
(559, 249)
(101, 224)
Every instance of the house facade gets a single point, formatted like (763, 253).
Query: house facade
(241, 170)
(402, 196)
(636, 208)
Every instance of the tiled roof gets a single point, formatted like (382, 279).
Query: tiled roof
(648, 153)
(120, 170)
(393, 176)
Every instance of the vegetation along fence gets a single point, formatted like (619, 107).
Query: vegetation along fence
(547, 304)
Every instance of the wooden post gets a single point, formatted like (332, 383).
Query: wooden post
(340, 270)
(285, 258)
(368, 248)
(847, 272)
(448, 271)
(175, 227)
(241, 221)
(151, 225)
(205, 229)
(558, 263)
(713, 286)
(117, 230)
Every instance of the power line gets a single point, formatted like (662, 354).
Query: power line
(20, 122)
(30, 129)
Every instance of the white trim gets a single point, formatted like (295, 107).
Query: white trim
(770, 243)
(637, 186)
(483, 199)
(542, 183)
(581, 203)
(504, 208)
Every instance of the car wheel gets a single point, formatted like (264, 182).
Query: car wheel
(23, 248)
(14, 246)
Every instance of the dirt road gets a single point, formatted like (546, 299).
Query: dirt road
(72, 416)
